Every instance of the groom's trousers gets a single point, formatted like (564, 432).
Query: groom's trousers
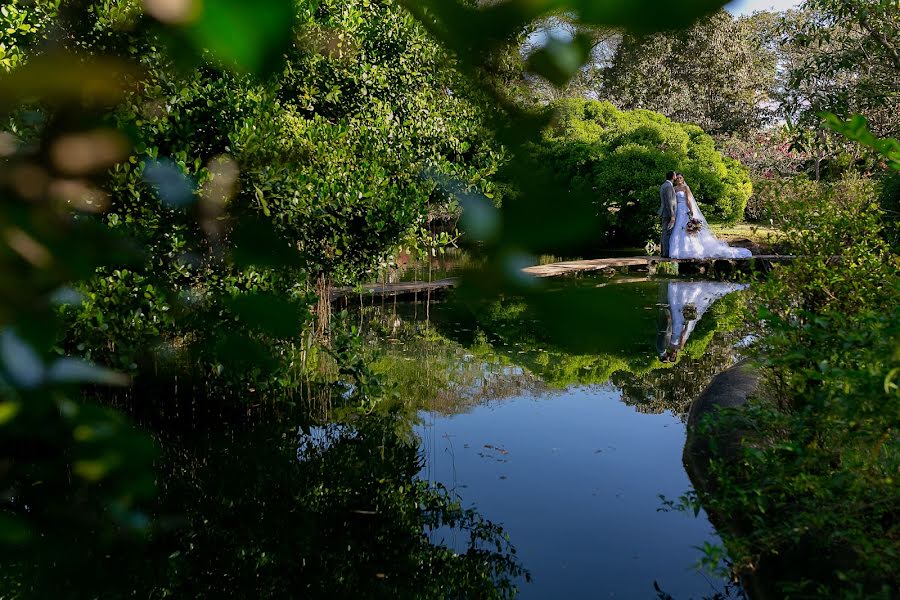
(666, 236)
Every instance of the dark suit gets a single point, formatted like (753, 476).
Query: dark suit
(663, 320)
(666, 212)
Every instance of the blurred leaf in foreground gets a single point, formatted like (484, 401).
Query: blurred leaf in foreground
(251, 37)
(857, 129)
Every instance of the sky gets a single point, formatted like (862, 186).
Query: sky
(746, 7)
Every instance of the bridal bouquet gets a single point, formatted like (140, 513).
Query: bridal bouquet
(693, 226)
(689, 312)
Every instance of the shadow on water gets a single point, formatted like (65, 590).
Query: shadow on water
(251, 505)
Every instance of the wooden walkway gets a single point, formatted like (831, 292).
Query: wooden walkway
(387, 290)
(631, 264)
(651, 263)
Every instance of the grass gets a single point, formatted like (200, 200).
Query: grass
(758, 234)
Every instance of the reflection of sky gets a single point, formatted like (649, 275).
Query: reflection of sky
(747, 7)
(574, 479)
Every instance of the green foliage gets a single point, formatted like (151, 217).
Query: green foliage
(815, 486)
(344, 151)
(71, 468)
(333, 156)
(841, 57)
(621, 158)
(717, 75)
(857, 129)
(23, 23)
(119, 309)
(846, 61)
(773, 198)
(890, 204)
(232, 32)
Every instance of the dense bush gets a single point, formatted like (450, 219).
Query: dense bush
(21, 24)
(343, 152)
(622, 158)
(815, 487)
(890, 204)
(771, 196)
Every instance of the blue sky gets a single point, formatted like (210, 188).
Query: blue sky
(745, 7)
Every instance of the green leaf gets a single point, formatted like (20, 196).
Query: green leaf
(250, 37)
(13, 530)
(8, 411)
(96, 469)
(857, 129)
(270, 313)
(258, 243)
(558, 61)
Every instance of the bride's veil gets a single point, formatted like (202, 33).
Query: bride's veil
(698, 214)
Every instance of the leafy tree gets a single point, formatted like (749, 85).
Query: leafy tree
(621, 158)
(22, 24)
(718, 75)
(843, 59)
(344, 152)
(840, 57)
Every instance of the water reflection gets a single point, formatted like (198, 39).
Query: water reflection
(682, 305)
(250, 506)
(490, 420)
(569, 446)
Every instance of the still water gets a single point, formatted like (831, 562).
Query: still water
(571, 452)
(521, 443)
(575, 477)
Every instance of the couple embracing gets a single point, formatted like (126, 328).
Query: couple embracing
(685, 233)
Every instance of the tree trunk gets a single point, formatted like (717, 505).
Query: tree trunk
(323, 306)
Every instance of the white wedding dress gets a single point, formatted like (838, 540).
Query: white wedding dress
(700, 294)
(702, 244)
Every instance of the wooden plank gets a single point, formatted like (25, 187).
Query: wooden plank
(403, 288)
(409, 288)
(597, 264)
(640, 262)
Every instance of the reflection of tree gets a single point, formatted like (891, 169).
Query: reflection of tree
(242, 513)
(505, 350)
(434, 373)
(674, 389)
(538, 334)
(620, 339)
(710, 348)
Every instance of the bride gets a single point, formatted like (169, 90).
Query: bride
(702, 243)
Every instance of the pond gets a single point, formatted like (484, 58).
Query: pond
(515, 448)
(572, 453)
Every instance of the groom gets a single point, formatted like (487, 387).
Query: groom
(667, 212)
(663, 324)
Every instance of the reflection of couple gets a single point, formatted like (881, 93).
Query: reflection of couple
(681, 305)
(677, 207)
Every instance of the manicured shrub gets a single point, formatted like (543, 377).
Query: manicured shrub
(621, 157)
